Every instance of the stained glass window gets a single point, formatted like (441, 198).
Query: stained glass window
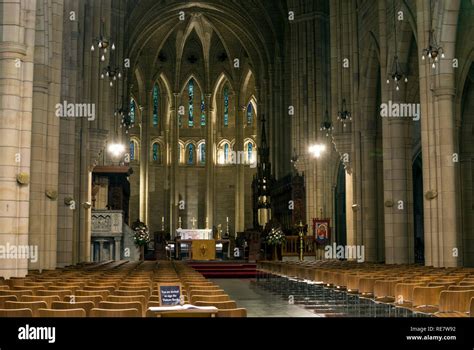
(249, 114)
(250, 151)
(132, 111)
(191, 154)
(203, 112)
(226, 152)
(203, 153)
(132, 150)
(156, 152)
(226, 107)
(191, 103)
(156, 94)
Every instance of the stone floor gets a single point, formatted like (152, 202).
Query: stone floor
(259, 302)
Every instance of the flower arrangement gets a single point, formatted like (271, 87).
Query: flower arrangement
(275, 237)
(142, 234)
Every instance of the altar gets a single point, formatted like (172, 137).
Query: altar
(191, 234)
(196, 244)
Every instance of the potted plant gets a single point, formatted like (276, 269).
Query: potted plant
(275, 238)
(141, 237)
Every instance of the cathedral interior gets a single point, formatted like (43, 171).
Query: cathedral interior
(280, 130)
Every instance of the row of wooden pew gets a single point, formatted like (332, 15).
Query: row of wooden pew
(417, 290)
(114, 289)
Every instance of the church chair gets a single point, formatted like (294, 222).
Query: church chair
(471, 308)
(231, 304)
(47, 299)
(16, 313)
(87, 306)
(60, 293)
(62, 313)
(4, 298)
(426, 300)
(16, 281)
(186, 314)
(445, 284)
(16, 292)
(145, 293)
(461, 287)
(466, 283)
(137, 287)
(100, 288)
(97, 312)
(455, 303)
(35, 289)
(34, 306)
(110, 305)
(72, 289)
(127, 298)
(223, 297)
(404, 295)
(206, 292)
(232, 313)
(4, 287)
(96, 299)
(384, 293)
(103, 293)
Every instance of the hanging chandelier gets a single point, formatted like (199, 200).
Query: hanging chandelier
(433, 51)
(126, 121)
(344, 116)
(102, 43)
(326, 125)
(112, 74)
(397, 73)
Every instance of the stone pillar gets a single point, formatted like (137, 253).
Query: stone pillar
(240, 167)
(368, 206)
(174, 142)
(143, 158)
(210, 159)
(45, 134)
(101, 248)
(117, 248)
(439, 140)
(17, 40)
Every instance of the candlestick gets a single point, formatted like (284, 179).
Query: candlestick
(207, 223)
(162, 223)
(179, 222)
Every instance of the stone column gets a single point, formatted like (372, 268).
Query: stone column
(240, 167)
(17, 40)
(174, 141)
(439, 140)
(117, 248)
(45, 133)
(144, 153)
(210, 159)
(101, 249)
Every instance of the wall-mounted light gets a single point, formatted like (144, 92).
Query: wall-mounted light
(116, 149)
(317, 149)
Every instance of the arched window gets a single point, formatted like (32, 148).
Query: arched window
(180, 154)
(133, 150)
(156, 94)
(226, 152)
(226, 106)
(156, 152)
(203, 111)
(202, 153)
(133, 111)
(249, 152)
(191, 103)
(249, 114)
(190, 154)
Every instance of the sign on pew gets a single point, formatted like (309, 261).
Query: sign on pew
(170, 294)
